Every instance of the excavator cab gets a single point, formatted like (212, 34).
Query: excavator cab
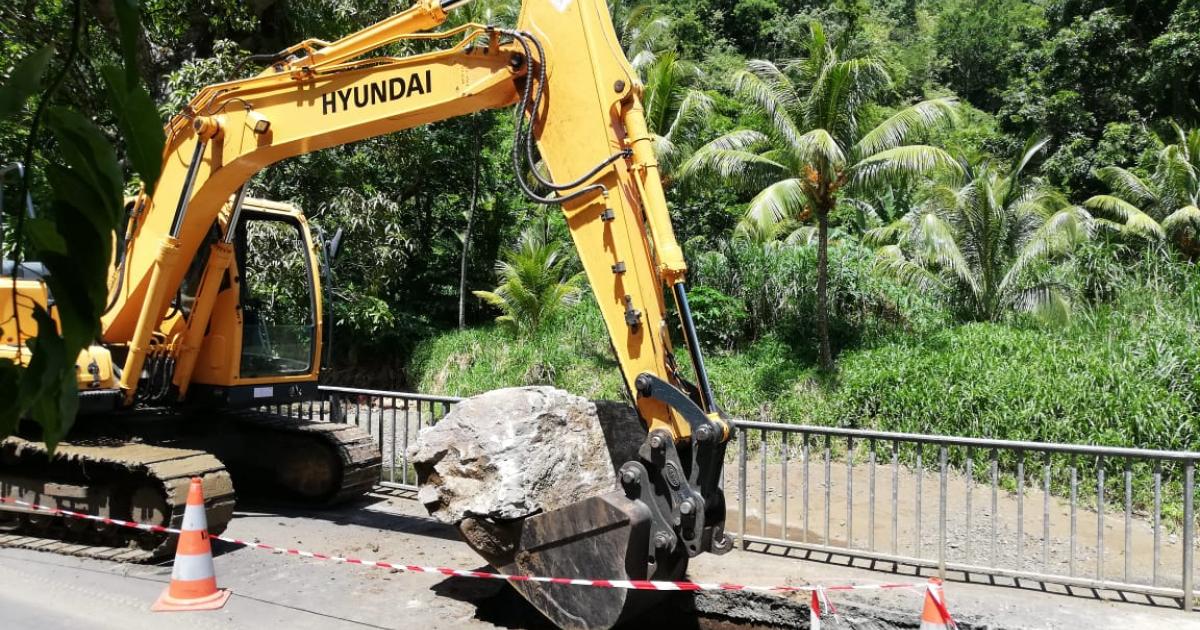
(278, 290)
(262, 344)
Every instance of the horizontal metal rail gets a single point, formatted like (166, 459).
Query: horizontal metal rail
(983, 520)
(1119, 519)
(392, 418)
(1078, 449)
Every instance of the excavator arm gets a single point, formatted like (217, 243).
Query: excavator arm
(578, 106)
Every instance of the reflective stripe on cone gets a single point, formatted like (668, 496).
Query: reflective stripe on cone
(193, 578)
(935, 615)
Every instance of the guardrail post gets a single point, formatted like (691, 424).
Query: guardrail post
(942, 515)
(742, 485)
(1189, 527)
(335, 409)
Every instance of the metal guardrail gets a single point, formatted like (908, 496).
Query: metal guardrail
(984, 489)
(392, 418)
(977, 524)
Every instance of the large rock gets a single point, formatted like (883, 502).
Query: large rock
(510, 453)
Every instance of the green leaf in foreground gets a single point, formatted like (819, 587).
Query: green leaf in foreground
(130, 24)
(139, 123)
(48, 384)
(24, 80)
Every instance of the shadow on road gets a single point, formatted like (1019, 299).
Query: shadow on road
(922, 572)
(365, 512)
(499, 604)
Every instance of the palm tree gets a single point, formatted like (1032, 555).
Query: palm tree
(535, 284)
(642, 30)
(675, 112)
(992, 241)
(1165, 206)
(494, 12)
(816, 146)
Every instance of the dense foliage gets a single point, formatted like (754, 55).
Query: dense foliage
(78, 187)
(880, 149)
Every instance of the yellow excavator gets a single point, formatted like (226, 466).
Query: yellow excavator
(187, 349)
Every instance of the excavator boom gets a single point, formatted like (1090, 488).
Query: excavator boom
(578, 107)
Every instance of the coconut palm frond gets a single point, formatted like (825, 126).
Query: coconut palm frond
(892, 261)
(664, 149)
(1114, 207)
(935, 243)
(491, 297)
(1108, 226)
(1144, 226)
(1181, 219)
(642, 58)
(780, 201)
(866, 216)
(840, 91)
(1049, 302)
(777, 79)
(751, 230)
(917, 119)
(1164, 203)
(695, 107)
(641, 29)
(662, 83)
(896, 163)
(1175, 176)
(1191, 142)
(740, 140)
(1132, 219)
(1032, 147)
(1127, 185)
(889, 234)
(803, 236)
(819, 148)
(1059, 235)
(740, 168)
(534, 286)
(773, 99)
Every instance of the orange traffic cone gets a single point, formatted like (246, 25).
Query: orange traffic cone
(935, 616)
(193, 579)
(814, 612)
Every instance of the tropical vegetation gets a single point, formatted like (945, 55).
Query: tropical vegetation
(874, 239)
(1164, 206)
(993, 244)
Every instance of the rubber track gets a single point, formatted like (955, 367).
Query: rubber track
(173, 468)
(362, 463)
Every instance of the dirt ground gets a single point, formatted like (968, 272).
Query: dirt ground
(47, 591)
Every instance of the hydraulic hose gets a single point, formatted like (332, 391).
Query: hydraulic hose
(523, 134)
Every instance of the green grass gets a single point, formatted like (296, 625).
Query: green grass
(571, 352)
(1123, 374)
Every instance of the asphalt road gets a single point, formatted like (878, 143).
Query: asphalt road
(45, 591)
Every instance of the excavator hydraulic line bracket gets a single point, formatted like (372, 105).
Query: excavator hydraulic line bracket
(651, 386)
(705, 455)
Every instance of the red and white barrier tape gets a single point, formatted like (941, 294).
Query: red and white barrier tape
(640, 585)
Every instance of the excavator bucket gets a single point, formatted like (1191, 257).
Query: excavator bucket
(613, 532)
(605, 537)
